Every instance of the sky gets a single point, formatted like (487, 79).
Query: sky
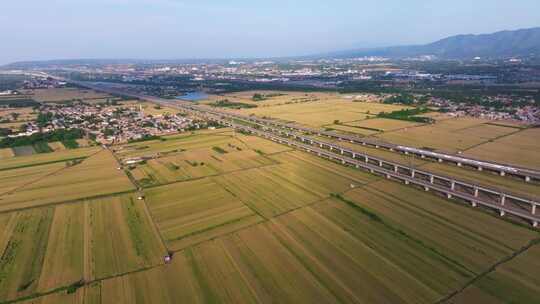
(178, 29)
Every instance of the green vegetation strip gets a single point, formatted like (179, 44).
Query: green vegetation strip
(408, 115)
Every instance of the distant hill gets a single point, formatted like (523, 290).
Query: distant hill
(523, 42)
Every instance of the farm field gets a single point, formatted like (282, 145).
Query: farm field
(40, 159)
(23, 150)
(56, 146)
(6, 153)
(195, 211)
(195, 164)
(512, 282)
(451, 135)
(44, 249)
(520, 149)
(95, 176)
(176, 143)
(247, 220)
(64, 94)
(350, 129)
(384, 124)
(322, 111)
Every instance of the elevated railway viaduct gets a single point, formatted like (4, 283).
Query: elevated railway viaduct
(477, 195)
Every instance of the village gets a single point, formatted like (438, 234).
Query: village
(108, 124)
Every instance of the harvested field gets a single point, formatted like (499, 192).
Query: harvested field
(351, 129)
(190, 212)
(96, 175)
(520, 149)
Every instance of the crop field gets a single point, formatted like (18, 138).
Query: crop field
(47, 248)
(451, 135)
(514, 282)
(520, 149)
(64, 94)
(249, 221)
(323, 111)
(176, 144)
(197, 163)
(23, 150)
(56, 146)
(40, 159)
(191, 212)
(6, 153)
(383, 124)
(96, 175)
(355, 130)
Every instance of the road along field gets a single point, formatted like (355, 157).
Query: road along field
(44, 249)
(94, 176)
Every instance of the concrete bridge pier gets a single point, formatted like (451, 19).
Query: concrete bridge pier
(533, 211)
(459, 164)
(527, 179)
(396, 169)
(535, 224)
(380, 163)
(431, 179)
(503, 199)
(387, 176)
(502, 213)
(502, 173)
(406, 182)
(440, 160)
(413, 173)
(342, 152)
(449, 196)
(473, 204)
(367, 159)
(476, 192)
(354, 155)
(426, 189)
(480, 169)
(453, 185)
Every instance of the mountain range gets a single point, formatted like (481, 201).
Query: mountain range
(504, 44)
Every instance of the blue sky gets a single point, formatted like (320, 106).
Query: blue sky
(66, 29)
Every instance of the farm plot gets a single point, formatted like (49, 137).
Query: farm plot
(40, 159)
(351, 129)
(196, 164)
(519, 149)
(56, 146)
(449, 135)
(383, 124)
(23, 239)
(322, 112)
(23, 150)
(512, 282)
(262, 146)
(471, 239)
(95, 176)
(10, 180)
(121, 236)
(6, 153)
(65, 95)
(191, 212)
(175, 144)
(251, 266)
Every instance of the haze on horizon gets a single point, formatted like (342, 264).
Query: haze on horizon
(174, 29)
